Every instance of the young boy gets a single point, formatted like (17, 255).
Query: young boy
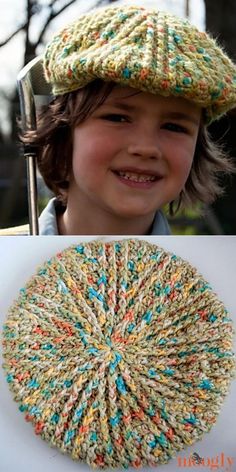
(126, 133)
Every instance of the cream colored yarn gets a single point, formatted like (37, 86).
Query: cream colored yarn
(119, 353)
(146, 49)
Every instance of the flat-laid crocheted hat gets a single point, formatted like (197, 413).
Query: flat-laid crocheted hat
(119, 353)
(146, 49)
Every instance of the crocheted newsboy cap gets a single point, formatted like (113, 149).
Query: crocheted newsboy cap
(146, 49)
(119, 353)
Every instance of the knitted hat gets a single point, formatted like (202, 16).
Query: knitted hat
(119, 353)
(150, 50)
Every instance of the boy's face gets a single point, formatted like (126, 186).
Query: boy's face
(134, 153)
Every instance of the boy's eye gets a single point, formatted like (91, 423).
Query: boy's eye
(115, 117)
(175, 127)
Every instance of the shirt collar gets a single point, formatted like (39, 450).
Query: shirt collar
(48, 221)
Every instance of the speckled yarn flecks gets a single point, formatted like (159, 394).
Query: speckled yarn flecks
(119, 353)
(150, 50)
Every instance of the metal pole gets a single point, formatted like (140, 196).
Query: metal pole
(187, 8)
(33, 91)
(28, 123)
(32, 193)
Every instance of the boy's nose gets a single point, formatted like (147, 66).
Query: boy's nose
(145, 150)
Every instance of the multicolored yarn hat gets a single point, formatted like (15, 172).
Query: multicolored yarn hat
(119, 353)
(146, 49)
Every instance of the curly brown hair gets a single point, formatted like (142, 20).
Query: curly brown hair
(54, 140)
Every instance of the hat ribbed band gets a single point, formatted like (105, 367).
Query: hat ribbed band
(119, 353)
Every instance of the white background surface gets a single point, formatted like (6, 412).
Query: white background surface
(20, 449)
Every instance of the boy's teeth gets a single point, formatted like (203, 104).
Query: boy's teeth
(137, 177)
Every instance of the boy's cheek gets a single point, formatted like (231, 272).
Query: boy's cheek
(181, 166)
(85, 173)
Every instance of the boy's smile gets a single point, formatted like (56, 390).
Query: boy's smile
(132, 156)
(137, 177)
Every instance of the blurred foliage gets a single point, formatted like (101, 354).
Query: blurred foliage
(189, 221)
(42, 202)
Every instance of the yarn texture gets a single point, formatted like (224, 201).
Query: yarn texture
(146, 49)
(119, 353)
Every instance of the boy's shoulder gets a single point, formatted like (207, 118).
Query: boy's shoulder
(22, 230)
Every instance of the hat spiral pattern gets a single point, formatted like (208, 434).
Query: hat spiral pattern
(150, 50)
(119, 353)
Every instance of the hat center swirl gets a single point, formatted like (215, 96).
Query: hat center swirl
(119, 353)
